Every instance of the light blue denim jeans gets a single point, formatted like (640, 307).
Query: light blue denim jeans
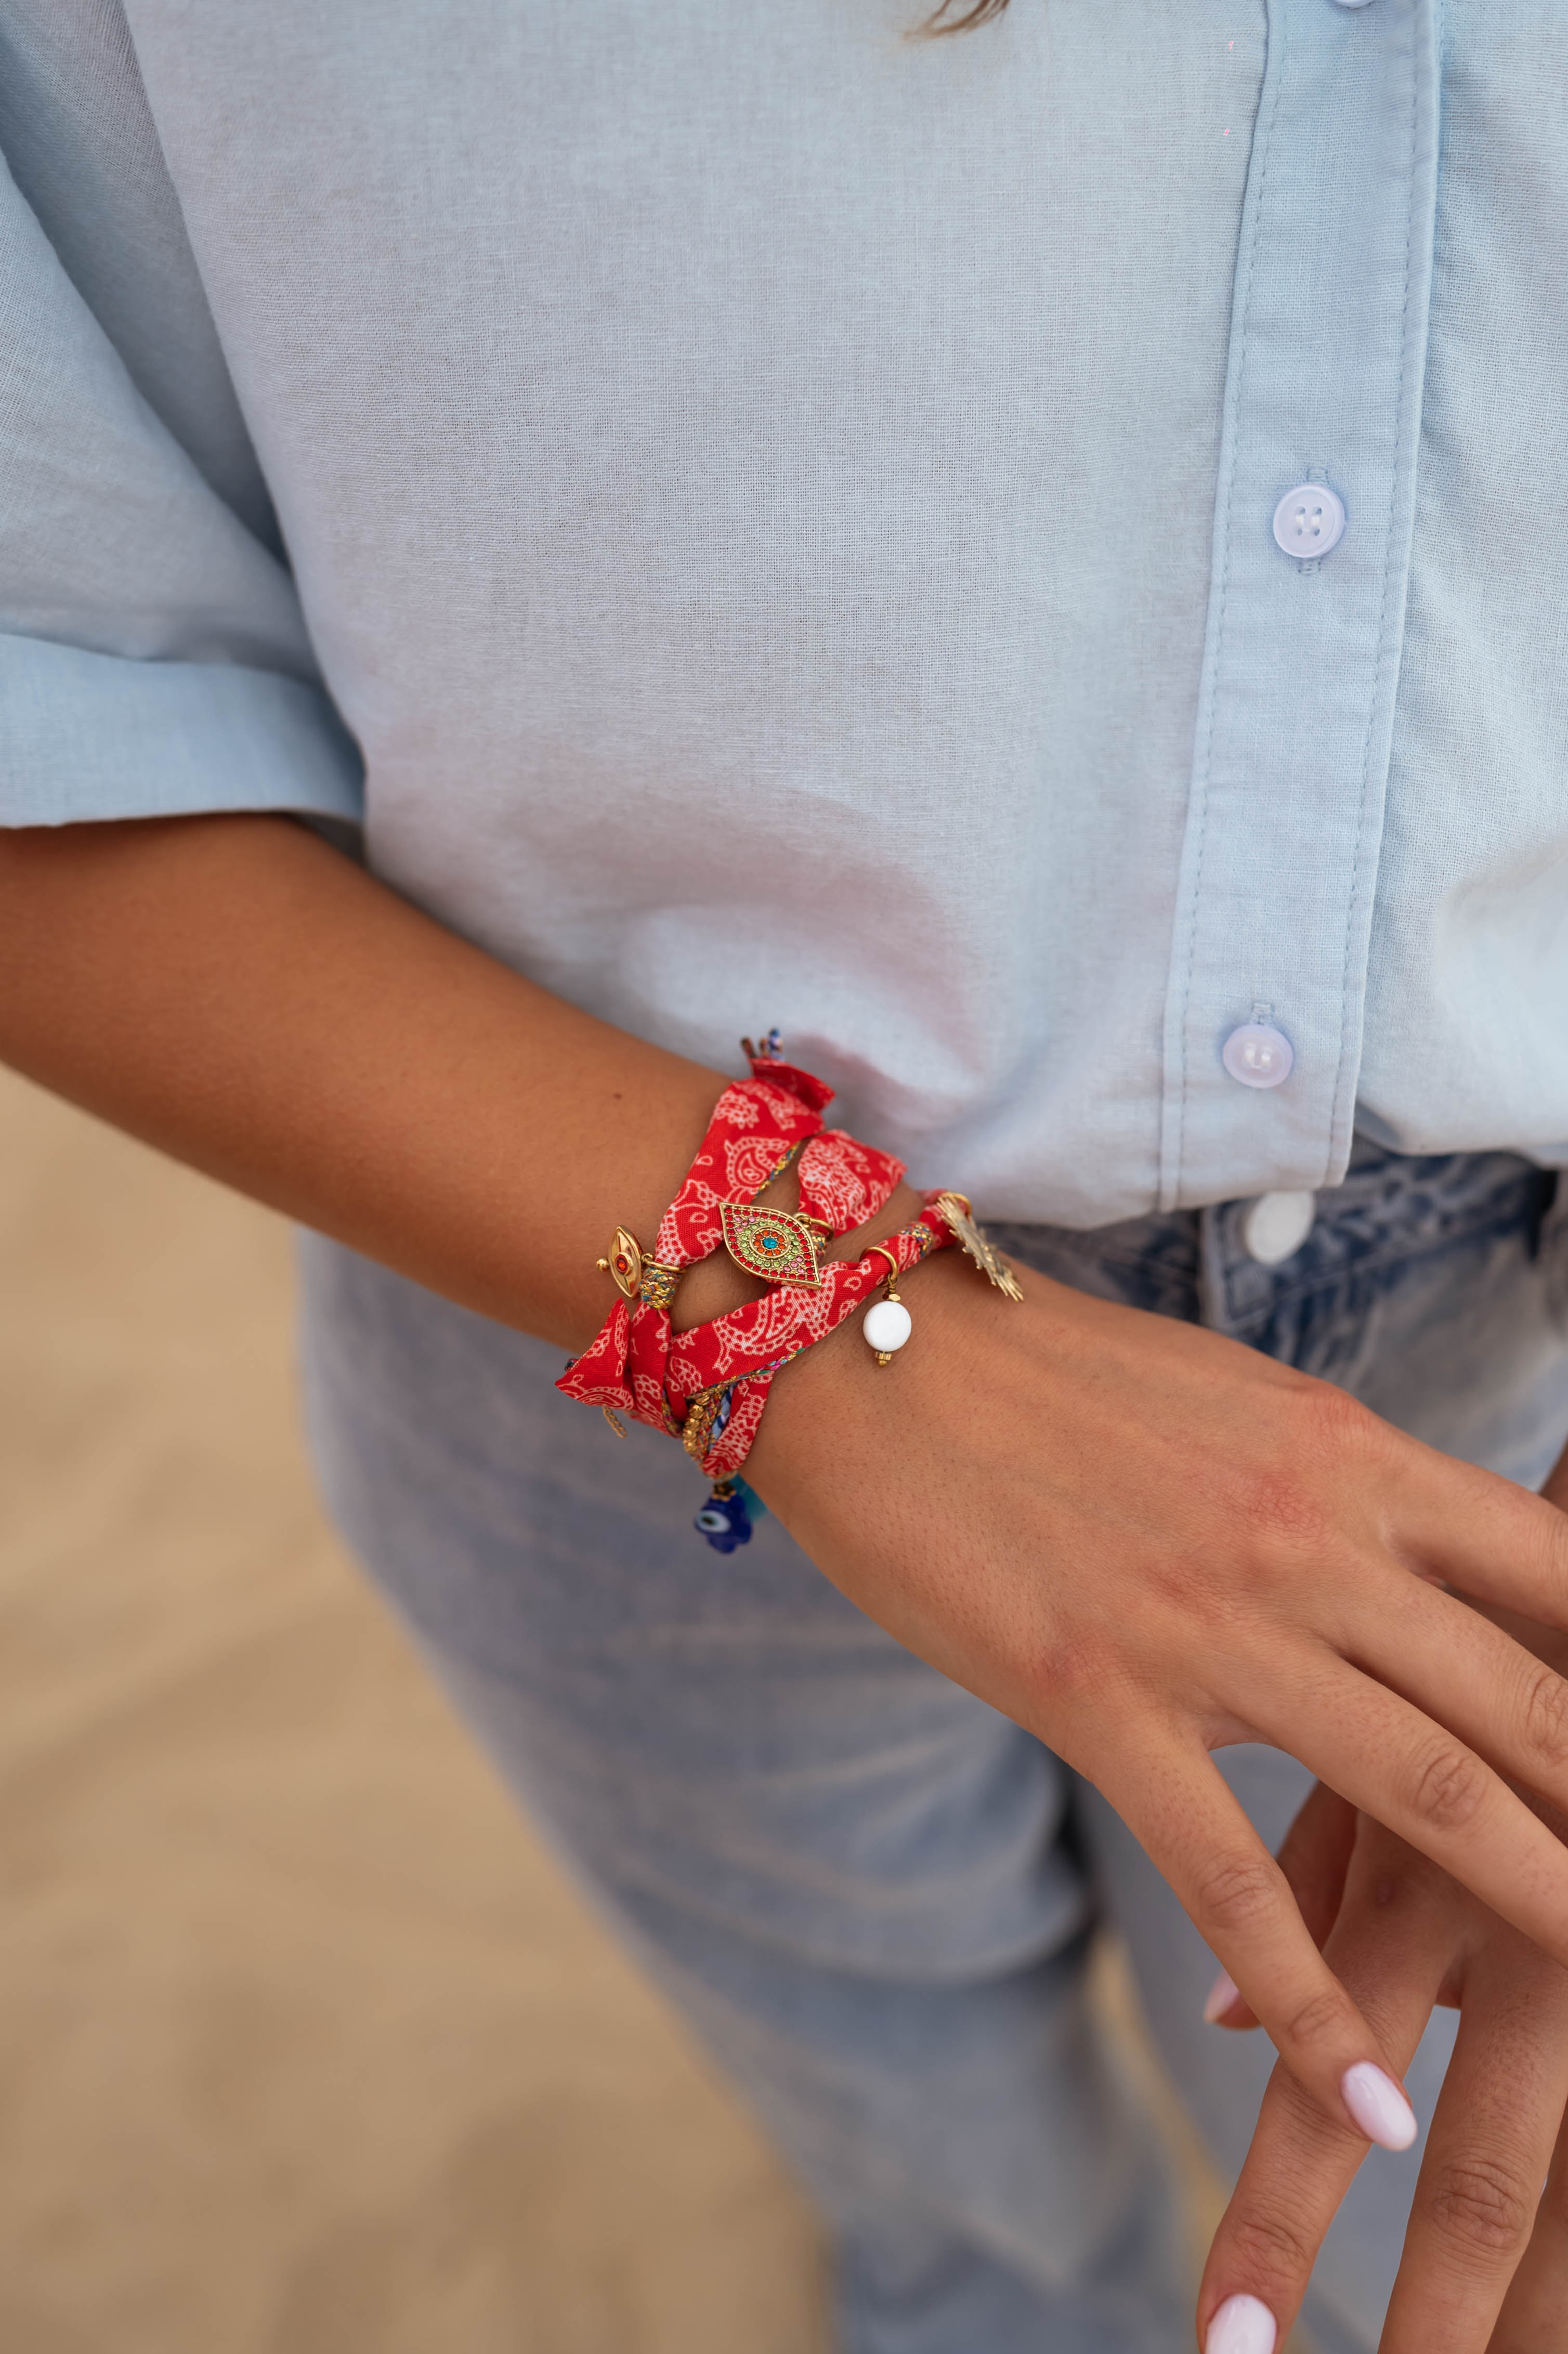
(871, 1894)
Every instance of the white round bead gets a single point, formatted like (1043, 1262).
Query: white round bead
(887, 1326)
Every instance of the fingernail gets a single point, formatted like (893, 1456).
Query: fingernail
(1242, 2325)
(1378, 2106)
(1222, 1994)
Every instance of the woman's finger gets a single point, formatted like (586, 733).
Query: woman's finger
(1486, 2157)
(1481, 1532)
(1314, 1856)
(1457, 1667)
(1196, 1832)
(1421, 1780)
(1391, 1949)
(1531, 2321)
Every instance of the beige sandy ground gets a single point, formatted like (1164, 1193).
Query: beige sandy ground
(304, 2046)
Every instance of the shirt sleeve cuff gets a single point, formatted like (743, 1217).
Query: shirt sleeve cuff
(90, 735)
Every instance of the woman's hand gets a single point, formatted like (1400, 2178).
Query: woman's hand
(1143, 1541)
(1484, 2267)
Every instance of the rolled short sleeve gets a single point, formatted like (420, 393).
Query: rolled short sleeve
(154, 657)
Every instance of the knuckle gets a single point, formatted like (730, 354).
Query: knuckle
(1268, 2245)
(1321, 2016)
(1534, 1529)
(1448, 1787)
(1295, 1503)
(1282, 1507)
(1419, 1887)
(1338, 1424)
(1401, 1880)
(1480, 2205)
(1073, 1669)
(1235, 1892)
(1546, 1717)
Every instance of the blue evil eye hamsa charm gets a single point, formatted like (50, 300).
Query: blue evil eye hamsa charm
(725, 1519)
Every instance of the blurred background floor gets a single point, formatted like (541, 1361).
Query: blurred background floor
(305, 2047)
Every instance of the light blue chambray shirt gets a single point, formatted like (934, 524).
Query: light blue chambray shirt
(777, 520)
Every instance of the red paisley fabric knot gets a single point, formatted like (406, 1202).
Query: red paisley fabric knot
(845, 1182)
(599, 1376)
(638, 1364)
(804, 1085)
(758, 1124)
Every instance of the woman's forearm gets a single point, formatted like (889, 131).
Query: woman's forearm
(1139, 1539)
(234, 991)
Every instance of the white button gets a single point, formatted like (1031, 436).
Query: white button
(1351, 3)
(1277, 1225)
(1259, 1054)
(1309, 520)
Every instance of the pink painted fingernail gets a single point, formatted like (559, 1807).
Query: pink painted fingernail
(1242, 2325)
(1378, 2106)
(1222, 1994)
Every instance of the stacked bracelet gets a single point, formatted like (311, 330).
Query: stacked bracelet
(708, 1386)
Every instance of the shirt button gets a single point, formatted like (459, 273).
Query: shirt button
(1309, 520)
(1277, 1225)
(1351, 3)
(1259, 1054)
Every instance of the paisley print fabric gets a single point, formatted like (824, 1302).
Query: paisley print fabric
(639, 1364)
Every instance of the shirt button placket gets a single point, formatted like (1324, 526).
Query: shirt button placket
(1291, 752)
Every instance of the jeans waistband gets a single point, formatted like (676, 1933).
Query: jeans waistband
(1391, 1208)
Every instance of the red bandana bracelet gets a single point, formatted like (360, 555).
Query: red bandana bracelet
(759, 1125)
(707, 1387)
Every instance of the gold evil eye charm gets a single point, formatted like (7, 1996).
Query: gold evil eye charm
(778, 1245)
(624, 1263)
